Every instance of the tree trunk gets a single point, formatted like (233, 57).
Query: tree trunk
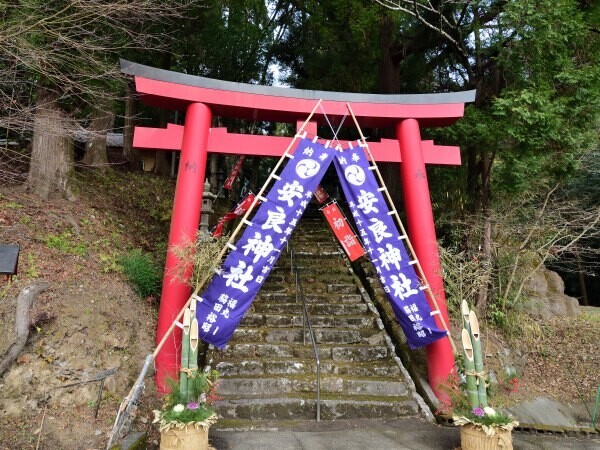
(389, 68)
(582, 287)
(24, 302)
(95, 149)
(213, 161)
(162, 166)
(486, 244)
(129, 153)
(52, 150)
(389, 83)
(254, 187)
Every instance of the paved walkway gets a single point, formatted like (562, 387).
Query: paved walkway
(413, 434)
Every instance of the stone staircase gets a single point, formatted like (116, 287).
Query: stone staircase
(268, 374)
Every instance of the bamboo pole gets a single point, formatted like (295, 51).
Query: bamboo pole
(421, 274)
(185, 353)
(472, 393)
(464, 311)
(200, 285)
(193, 357)
(478, 358)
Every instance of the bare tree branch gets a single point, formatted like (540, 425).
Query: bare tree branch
(414, 8)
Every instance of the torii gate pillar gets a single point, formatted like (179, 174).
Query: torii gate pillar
(421, 229)
(187, 207)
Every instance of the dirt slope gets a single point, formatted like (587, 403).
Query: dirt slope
(89, 320)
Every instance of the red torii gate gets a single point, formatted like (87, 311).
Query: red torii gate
(200, 98)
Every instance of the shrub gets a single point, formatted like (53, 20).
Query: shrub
(142, 272)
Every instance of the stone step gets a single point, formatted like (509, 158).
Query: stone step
(317, 241)
(310, 288)
(255, 367)
(265, 387)
(322, 335)
(308, 253)
(269, 374)
(284, 297)
(238, 352)
(316, 226)
(344, 309)
(296, 320)
(307, 269)
(306, 408)
(307, 264)
(314, 249)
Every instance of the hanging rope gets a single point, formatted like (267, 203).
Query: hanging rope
(401, 226)
(335, 132)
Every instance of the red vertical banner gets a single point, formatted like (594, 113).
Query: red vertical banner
(343, 232)
(236, 212)
(320, 194)
(234, 173)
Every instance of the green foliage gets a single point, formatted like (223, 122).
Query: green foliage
(332, 46)
(228, 40)
(201, 389)
(4, 291)
(187, 415)
(178, 408)
(133, 198)
(464, 276)
(497, 313)
(31, 271)
(202, 256)
(496, 419)
(109, 262)
(66, 243)
(142, 272)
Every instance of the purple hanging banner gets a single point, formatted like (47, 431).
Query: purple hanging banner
(223, 304)
(384, 245)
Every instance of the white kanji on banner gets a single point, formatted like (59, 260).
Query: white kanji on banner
(401, 286)
(390, 256)
(258, 247)
(366, 200)
(275, 218)
(379, 230)
(239, 276)
(290, 192)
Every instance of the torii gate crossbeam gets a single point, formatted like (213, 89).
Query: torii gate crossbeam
(201, 98)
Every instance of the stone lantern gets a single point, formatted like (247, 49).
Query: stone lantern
(207, 202)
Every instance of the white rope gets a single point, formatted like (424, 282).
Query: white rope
(335, 132)
(411, 250)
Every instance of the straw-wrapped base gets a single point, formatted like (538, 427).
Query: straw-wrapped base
(474, 438)
(186, 438)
